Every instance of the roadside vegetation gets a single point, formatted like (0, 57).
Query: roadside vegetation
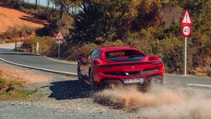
(151, 26)
(12, 88)
(14, 34)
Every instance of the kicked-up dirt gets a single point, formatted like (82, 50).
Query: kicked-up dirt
(67, 97)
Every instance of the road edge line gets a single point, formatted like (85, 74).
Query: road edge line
(41, 69)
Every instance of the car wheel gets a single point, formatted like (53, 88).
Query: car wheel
(80, 77)
(91, 80)
(107, 86)
(111, 85)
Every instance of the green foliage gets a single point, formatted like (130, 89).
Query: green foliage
(17, 32)
(114, 43)
(7, 85)
(12, 89)
(148, 13)
(100, 21)
(151, 26)
(20, 94)
(47, 45)
(75, 51)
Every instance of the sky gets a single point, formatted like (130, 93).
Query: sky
(40, 2)
(45, 3)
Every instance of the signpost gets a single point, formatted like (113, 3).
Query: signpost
(186, 31)
(59, 37)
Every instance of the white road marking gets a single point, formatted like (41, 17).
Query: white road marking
(199, 85)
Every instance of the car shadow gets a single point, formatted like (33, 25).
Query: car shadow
(73, 89)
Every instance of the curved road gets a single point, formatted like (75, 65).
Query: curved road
(46, 64)
(38, 62)
(34, 61)
(69, 98)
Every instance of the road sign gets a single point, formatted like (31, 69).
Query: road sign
(186, 18)
(186, 30)
(59, 36)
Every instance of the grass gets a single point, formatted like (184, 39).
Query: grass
(13, 89)
(20, 94)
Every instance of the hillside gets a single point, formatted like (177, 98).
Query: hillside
(10, 17)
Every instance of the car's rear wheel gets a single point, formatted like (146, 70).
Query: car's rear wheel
(92, 81)
(110, 84)
(80, 77)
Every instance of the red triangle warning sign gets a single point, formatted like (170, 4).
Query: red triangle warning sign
(59, 36)
(186, 18)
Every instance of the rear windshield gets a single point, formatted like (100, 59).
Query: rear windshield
(122, 56)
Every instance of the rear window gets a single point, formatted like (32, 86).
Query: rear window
(128, 55)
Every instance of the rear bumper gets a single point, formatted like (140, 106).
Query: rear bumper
(108, 79)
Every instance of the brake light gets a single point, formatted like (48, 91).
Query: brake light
(157, 63)
(97, 62)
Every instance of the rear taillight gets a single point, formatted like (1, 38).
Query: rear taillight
(97, 62)
(151, 58)
(157, 63)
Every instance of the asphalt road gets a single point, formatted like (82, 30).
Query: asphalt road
(69, 98)
(38, 62)
(33, 61)
(47, 64)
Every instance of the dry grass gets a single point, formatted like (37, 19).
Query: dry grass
(26, 76)
(12, 83)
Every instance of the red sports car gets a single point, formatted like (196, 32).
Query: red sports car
(125, 65)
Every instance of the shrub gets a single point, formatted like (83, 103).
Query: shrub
(7, 85)
(16, 32)
(74, 52)
(12, 88)
(47, 45)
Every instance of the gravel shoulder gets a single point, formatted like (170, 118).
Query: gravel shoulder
(63, 97)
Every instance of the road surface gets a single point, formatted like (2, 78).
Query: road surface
(47, 64)
(66, 97)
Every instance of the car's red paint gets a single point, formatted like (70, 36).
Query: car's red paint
(119, 64)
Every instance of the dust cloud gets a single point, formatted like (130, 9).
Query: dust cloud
(159, 102)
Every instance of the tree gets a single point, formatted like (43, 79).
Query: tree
(106, 20)
(100, 20)
(201, 36)
(36, 4)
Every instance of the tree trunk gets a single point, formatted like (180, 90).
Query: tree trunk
(62, 9)
(36, 3)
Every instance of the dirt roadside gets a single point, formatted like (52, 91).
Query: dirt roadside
(66, 97)
(62, 97)
(13, 18)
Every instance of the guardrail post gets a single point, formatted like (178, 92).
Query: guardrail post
(37, 47)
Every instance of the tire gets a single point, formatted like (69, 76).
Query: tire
(80, 77)
(92, 82)
(104, 85)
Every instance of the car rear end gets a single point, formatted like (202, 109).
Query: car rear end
(137, 69)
